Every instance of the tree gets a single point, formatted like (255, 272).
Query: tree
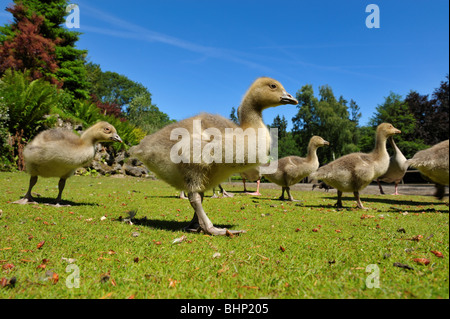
(431, 115)
(70, 60)
(327, 117)
(233, 116)
(395, 110)
(113, 87)
(28, 49)
(281, 124)
(145, 115)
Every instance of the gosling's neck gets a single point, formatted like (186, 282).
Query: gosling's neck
(380, 151)
(312, 153)
(88, 138)
(250, 115)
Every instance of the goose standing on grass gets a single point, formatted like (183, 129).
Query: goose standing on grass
(292, 169)
(353, 172)
(433, 162)
(252, 175)
(196, 177)
(59, 152)
(397, 168)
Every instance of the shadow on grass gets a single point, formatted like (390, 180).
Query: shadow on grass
(51, 201)
(386, 200)
(170, 225)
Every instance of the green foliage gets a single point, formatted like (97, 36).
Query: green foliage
(395, 110)
(88, 113)
(6, 161)
(112, 87)
(327, 117)
(233, 115)
(70, 59)
(142, 113)
(27, 102)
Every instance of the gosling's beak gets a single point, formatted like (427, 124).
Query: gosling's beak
(286, 98)
(397, 131)
(326, 142)
(116, 138)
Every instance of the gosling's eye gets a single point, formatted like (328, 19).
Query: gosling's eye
(273, 86)
(107, 130)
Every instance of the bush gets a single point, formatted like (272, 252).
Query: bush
(27, 102)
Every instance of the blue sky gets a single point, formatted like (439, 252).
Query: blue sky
(201, 55)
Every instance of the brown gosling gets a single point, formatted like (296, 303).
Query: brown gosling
(292, 169)
(353, 172)
(397, 168)
(196, 176)
(59, 152)
(433, 162)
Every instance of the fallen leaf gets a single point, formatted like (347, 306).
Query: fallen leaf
(179, 240)
(422, 261)
(437, 253)
(364, 216)
(109, 294)
(315, 230)
(55, 278)
(172, 283)
(417, 238)
(282, 249)
(39, 245)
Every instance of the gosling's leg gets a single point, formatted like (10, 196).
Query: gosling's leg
(28, 199)
(290, 197)
(224, 192)
(61, 185)
(396, 189)
(282, 193)
(245, 188)
(183, 195)
(257, 189)
(358, 200)
(440, 191)
(379, 186)
(339, 199)
(202, 219)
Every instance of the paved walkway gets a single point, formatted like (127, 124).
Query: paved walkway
(403, 189)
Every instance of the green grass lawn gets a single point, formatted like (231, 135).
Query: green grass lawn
(290, 250)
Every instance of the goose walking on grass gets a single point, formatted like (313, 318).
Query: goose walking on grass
(59, 152)
(353, 172)
(292, 169)
(196, 175)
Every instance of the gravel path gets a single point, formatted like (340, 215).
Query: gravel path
(372, 189)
